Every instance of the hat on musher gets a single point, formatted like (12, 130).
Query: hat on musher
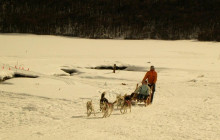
(152, 67)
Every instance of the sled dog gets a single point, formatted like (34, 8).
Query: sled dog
(119, 100)
(103, 100)
(107, 109)
(90, 108)
(126, 104)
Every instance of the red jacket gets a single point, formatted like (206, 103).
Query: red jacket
(151, 76)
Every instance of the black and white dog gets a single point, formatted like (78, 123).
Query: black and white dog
(103, 100)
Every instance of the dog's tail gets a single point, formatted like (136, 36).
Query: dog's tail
(103, 95)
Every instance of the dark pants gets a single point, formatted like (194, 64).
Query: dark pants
(142, 97)
(153, 90)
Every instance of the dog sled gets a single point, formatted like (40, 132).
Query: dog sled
(146, 100)
(135, 97)
(135, 100)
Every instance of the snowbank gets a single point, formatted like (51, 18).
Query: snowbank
(4, 75)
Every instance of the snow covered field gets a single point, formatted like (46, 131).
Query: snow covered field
(53, 106)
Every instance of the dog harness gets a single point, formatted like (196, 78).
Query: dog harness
(128, 102)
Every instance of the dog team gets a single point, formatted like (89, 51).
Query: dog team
(143, 93)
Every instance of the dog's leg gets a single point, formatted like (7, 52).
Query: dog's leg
(121, 109)
(90, 112)
(124, 109)
(93, 111)
(105, 114)
(110, 112)
(100, 107)
(110, 109)
(107, 111)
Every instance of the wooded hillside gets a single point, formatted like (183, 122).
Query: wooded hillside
(124, 19)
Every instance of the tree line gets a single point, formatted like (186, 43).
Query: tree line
(114, 19)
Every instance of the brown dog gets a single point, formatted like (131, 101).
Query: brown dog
(126, 104)
(90, 108)
(107, 109)
(119, 100)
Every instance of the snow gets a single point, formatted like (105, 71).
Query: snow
(53, 106)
